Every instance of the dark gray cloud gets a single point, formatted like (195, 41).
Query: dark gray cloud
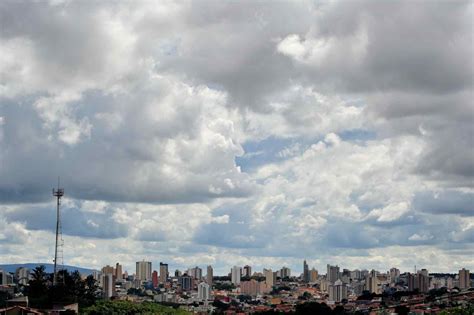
(75, 221)
(107, 165)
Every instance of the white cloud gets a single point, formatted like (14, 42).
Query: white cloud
(391, 212)
(145, 107)
(422, 237)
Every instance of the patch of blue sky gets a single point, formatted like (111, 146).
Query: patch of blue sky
(359, 135)
(258, 153)
(272, 150)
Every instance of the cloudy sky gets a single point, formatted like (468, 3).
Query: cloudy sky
(238, 132)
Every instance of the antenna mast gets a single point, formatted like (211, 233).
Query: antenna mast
(58, 193)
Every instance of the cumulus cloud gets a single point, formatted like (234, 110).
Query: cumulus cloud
(215, 133)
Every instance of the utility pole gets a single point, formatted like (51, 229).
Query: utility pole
(58, 193)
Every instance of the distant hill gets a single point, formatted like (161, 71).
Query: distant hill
(49, 268)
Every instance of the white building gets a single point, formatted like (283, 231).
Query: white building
(337, 291)
(3, 277)
(204, 291)
(23, 275)
(236, 273)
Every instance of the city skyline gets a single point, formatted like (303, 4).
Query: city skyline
(211, 133)
(226, 270)
(338, 290)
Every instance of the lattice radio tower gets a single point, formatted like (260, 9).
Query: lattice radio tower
(58, 193)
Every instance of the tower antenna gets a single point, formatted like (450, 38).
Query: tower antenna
(58, 193)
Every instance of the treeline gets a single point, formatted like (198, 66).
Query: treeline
(130, 308)
(70, 288)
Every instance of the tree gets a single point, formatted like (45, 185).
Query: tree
(90, 291)
(402, 310)
(339, 310)
(244, 298)
(38, 294)
(126, 308)
(311, 308)
(70, 288)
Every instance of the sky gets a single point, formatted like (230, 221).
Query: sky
(238, 132)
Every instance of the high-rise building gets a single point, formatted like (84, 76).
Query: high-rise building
(118, 271)
(204, 291)
(450, 283)
(247, 272)
(108, 270)
(270, 277)
(324, 285)
(143, 270)
(394, 275)
(5, 277)
(345, 272)
(285, 272)
(356, 275)
(411, 279)
(306, 276)
(22, 275)
(254, 287)
(337, 291)
(332, 273)
(97, 275)
(464, 279)
(209, 275)
(108, 285)
(422, 281)
(163, 272)
(178, 273)
(313, 275)
(196, 273)
(236, 273)
(185, 282)
(154, 278)
(372, 282)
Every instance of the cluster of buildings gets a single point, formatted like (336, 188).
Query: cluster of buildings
(248, 291)
(20, 277)
(196, 289)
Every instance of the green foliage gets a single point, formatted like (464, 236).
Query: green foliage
(402, 310)
(244, 298)
(306, 296)
(277, 290)
(135, 291)
(130, 308)
(469, 310)
(224, 286)
(311, 308)
(37, 292)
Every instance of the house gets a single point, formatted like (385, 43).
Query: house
(19, 310)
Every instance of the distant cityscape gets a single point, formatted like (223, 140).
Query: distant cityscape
(247, 290)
